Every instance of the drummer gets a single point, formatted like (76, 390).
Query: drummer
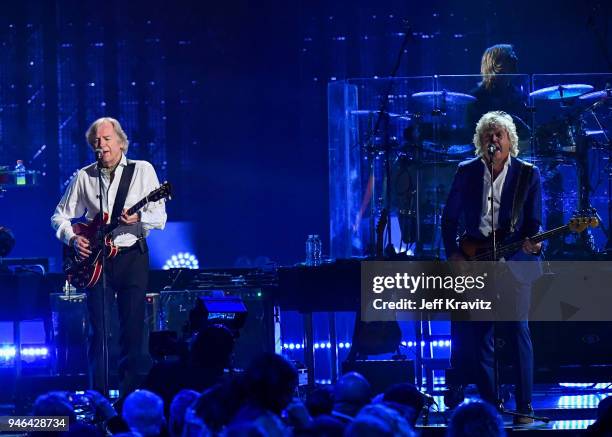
(499, 93)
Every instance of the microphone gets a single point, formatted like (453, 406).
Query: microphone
(98, 150)
(491, 149)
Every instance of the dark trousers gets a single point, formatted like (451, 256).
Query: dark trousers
(519, 337)
(473, 342)
(126, 278)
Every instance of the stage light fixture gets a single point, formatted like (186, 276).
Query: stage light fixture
(182, 260)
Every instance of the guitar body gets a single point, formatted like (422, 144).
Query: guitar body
(85, 273)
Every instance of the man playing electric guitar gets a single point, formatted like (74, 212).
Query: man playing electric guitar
(517, 212)
(124, 183)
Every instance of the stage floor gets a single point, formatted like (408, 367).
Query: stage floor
(570, 409)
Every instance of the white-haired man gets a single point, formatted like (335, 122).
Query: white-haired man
(126, 273)
(517, 212)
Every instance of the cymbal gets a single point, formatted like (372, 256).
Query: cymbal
(451, 151)
(596, 95)
(558, 92)
(445, 96)
(375, 112)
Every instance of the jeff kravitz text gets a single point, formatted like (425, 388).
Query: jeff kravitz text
(433, 285)
(439, 304)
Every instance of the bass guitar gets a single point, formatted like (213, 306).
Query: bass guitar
(481, 249)
(86, 272)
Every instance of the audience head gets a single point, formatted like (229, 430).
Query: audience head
(400, 396)
(7, 241)
(351, 393)
(212, 347)
(178, 407)
(216, 407)
(398, 425)
(320, 401)
(323, 426)
(475, 419)
(368, 426)
(243, 429)
(54, 403)
(271, 381)
(143, 411)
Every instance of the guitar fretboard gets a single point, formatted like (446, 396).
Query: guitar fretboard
(513, 247)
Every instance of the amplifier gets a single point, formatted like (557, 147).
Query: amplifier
(255, 337)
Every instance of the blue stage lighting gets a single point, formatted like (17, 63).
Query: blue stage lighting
(7, 352)
(182, 260)
(571, 424)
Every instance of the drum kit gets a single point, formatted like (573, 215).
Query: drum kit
(434, 141)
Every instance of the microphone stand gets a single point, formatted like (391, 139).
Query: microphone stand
(496, 379)
(383, 118)
(499, 403)
(100, 237)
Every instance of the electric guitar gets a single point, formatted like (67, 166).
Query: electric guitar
(86, 272)
(481, 250)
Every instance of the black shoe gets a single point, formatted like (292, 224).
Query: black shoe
(522, 420)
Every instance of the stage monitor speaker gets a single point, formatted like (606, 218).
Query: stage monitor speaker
(381, 374)
(255, 337)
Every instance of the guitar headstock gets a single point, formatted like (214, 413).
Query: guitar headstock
(583, 219)
(163, 192)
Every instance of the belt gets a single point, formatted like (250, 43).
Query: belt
(136, 246)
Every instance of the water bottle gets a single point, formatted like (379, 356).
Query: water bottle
(317, 248)
(310, 250)
(20, 173)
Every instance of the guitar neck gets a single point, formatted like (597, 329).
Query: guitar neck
(115, 222)
(516, 245)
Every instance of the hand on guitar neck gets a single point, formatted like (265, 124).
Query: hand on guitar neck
(129, 219)
(531, 248)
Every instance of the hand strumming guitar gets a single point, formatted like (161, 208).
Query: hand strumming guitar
(456, 256)
(81, 245)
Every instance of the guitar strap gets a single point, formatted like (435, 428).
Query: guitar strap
(520, 193)
(124, 185)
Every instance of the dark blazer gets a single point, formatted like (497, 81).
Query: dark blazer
(464, 204)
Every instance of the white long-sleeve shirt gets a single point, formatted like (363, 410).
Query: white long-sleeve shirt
(81, 197)
(496, 192)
